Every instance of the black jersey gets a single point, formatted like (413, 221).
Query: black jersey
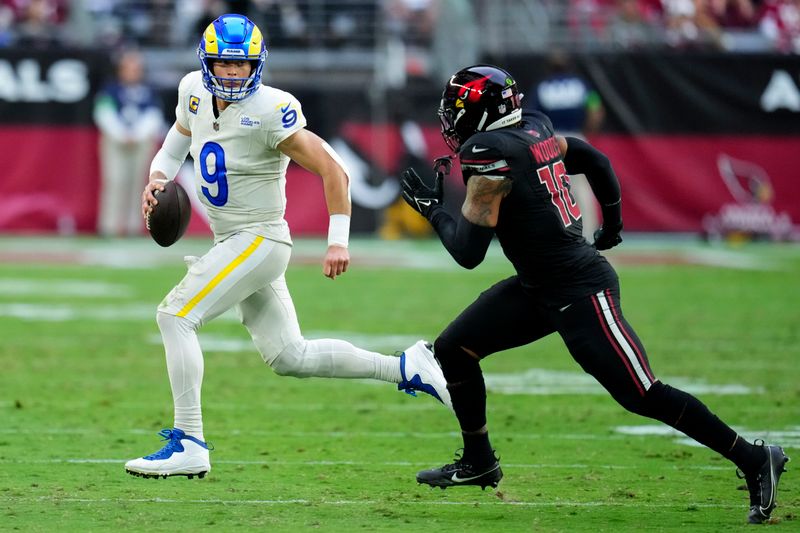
(539, 225)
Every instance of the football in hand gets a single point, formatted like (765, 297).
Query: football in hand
(169, 218)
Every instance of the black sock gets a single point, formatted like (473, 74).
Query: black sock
(686, 413)
(477, 449)
(746, 456)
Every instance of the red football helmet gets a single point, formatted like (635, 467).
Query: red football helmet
(478, 98)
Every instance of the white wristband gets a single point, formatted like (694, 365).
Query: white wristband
(339, 230)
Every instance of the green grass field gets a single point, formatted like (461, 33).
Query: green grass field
(83, 387)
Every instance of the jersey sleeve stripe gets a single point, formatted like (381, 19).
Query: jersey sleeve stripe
(487, 166)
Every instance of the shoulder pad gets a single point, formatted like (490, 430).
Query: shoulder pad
(537, 120)
(483, 154)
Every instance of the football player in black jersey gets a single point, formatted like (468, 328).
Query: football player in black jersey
(516, 173)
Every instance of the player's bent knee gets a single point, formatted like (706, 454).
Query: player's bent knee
(291, 361)
(658, 402)
(457, 364)
(170, 322)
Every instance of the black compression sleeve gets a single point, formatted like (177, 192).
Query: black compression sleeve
(583, 158)
(465, 241)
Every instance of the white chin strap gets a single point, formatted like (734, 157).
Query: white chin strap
(507, 120)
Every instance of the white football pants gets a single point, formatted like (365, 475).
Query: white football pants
(246, 271)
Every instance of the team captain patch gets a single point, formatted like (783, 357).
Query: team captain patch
(194, 103)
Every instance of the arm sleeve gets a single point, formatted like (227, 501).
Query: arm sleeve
(583, 158)
(465, 241)
(172, 153)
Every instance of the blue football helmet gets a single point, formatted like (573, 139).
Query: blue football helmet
(232, 37)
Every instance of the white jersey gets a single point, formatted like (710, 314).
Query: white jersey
(240, 175)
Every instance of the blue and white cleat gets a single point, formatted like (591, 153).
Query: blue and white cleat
(421, 372)
(182, 455)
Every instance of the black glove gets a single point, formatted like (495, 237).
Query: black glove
(606, 238)
(418, 195)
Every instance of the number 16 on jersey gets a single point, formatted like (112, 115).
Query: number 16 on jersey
(555, 178)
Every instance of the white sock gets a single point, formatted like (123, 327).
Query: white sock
(185, 368)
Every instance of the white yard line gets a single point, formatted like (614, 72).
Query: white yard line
(534, 466)
(302, 501)
(63, 287)
(788, 437)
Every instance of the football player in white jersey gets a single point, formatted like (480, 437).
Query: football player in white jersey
(241, 136)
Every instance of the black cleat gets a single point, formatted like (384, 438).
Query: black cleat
(462, 473)
(763, 484)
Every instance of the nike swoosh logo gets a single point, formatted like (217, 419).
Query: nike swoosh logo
(457, 479)
(476, 150)
(565, 308)
(285, 109)
(426, 203)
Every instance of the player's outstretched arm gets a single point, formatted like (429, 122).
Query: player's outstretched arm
(315, 155)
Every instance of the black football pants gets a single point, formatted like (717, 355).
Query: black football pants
(593, 329)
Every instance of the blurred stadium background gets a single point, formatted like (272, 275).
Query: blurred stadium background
(701, 98)
(702, 123)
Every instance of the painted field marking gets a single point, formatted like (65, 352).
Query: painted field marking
(788, 437)
(63, 287)
(304, 501)
(318, 434)
(537, 466)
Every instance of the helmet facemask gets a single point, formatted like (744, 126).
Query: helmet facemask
(448, 121)
(231, 89)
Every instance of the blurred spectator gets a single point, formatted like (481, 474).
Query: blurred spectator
(780, 23)
(411, 20)
(456, 38)
(576, 110)
(588, 21)
(409, 28)
(128, 114)
(733, 13)
(211, 10)
(352, 23)
(6, 25)
(652, 10)
(39, 23)
(690, 24)
(284, 23)
(630, 29)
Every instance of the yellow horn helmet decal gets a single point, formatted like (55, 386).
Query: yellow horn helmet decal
(210, 37)
(255, 43)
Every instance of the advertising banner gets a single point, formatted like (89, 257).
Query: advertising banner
(703, 143)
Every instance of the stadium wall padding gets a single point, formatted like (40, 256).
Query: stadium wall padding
(702, 142)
